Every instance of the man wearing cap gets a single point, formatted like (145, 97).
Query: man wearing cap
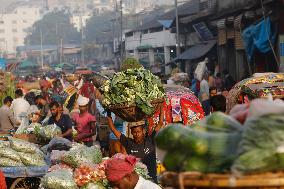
(121, 174)
(142, 145)
(85, 123)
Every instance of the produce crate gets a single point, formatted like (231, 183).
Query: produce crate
(27, 137)
(132, 113)
(198, 180)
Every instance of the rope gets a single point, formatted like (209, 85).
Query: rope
(270, 43)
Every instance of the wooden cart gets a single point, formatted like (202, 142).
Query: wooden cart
(190, 180)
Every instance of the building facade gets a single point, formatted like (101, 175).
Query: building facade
(14, 27)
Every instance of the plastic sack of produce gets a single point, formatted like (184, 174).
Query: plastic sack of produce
(96, 185)
(22, 146)
(60, 166)
(50, 131)
(77, 156)
(56, 156)
(4, 144)
(32, 159)
(59, 143)
(10, 153)
(88, 173)
(7, 162)
(62, 179)
(23, 126)
(261, 147)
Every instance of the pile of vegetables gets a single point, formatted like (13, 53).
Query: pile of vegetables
(133, 86)
(18, 153)
(209, 146)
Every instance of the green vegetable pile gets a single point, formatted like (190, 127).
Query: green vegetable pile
(209, 146)
(133, 86)
(262, 146)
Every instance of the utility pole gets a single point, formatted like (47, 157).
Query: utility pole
(177, 29)
(82, 39)
(61, 50)
(41, 49)
(121, 31)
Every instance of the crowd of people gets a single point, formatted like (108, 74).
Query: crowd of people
(212, 90)
(46, 106)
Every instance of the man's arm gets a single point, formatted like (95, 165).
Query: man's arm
(112, 127)
(161, 119)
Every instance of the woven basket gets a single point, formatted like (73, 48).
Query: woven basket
(131, 113)
(99, 80)
(71, 77)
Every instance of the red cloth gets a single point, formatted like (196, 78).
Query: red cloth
(118, 168)
(87, 89)
(2, 181)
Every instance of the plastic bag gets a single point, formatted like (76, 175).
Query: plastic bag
(32, 159)
(78, 156)
(4, 144)
(59, 143)
(23, 126)
(259, 147)
(22, 146)
(50, 131)
(10, 153)
(56, 156)
(59, 179)
(260, 107)
(201, 69)
(7, 162)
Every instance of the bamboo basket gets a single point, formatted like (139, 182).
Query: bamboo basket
(31, 85)
(71, 77)
(190, 180)
(131, 113)
(99, 80)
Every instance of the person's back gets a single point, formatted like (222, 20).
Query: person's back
(7, 120)
(19, 105)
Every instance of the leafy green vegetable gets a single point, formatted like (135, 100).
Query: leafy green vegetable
(133, 86)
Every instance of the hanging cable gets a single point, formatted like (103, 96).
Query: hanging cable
(270, 43)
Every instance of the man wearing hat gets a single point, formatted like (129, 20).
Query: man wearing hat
(85, 122)
(121, 174)
(142, 145)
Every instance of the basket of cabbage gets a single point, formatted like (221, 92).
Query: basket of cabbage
(133, 94)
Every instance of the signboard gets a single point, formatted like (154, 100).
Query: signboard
(3, 63)
(203, 31)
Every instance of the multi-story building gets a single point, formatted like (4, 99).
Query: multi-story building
(80, 21)
(14, 26)
(136, 6)
(101, 6)
(73, 5)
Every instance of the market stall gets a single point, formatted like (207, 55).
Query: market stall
(242, 150)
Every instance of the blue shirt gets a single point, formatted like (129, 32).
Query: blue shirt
(119, 125)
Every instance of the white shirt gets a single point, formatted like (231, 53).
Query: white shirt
(204, 90)
(146, 184)
(20, 107)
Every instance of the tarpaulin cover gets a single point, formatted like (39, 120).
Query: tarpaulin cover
(257, 37)
(15, 172)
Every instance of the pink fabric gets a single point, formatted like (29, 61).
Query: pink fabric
(83, 124)
(118, 168)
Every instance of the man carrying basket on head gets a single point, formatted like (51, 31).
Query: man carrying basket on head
(142, 145)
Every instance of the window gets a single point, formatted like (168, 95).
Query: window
(2, 31)
(14, 22)
(25, 21)
(2, 40)
(1, 21)
(14, 30)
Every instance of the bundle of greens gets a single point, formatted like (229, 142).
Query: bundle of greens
(133, 86)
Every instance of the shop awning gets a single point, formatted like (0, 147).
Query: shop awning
(196, 51)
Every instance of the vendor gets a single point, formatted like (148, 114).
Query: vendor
(43, 107)
(121, 174)
(61, 120)
(85, 123)
(7, 119)
(142, 145)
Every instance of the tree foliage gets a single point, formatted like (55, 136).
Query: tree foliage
(54, 27)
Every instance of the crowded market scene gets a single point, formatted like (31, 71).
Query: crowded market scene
(146, 95)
